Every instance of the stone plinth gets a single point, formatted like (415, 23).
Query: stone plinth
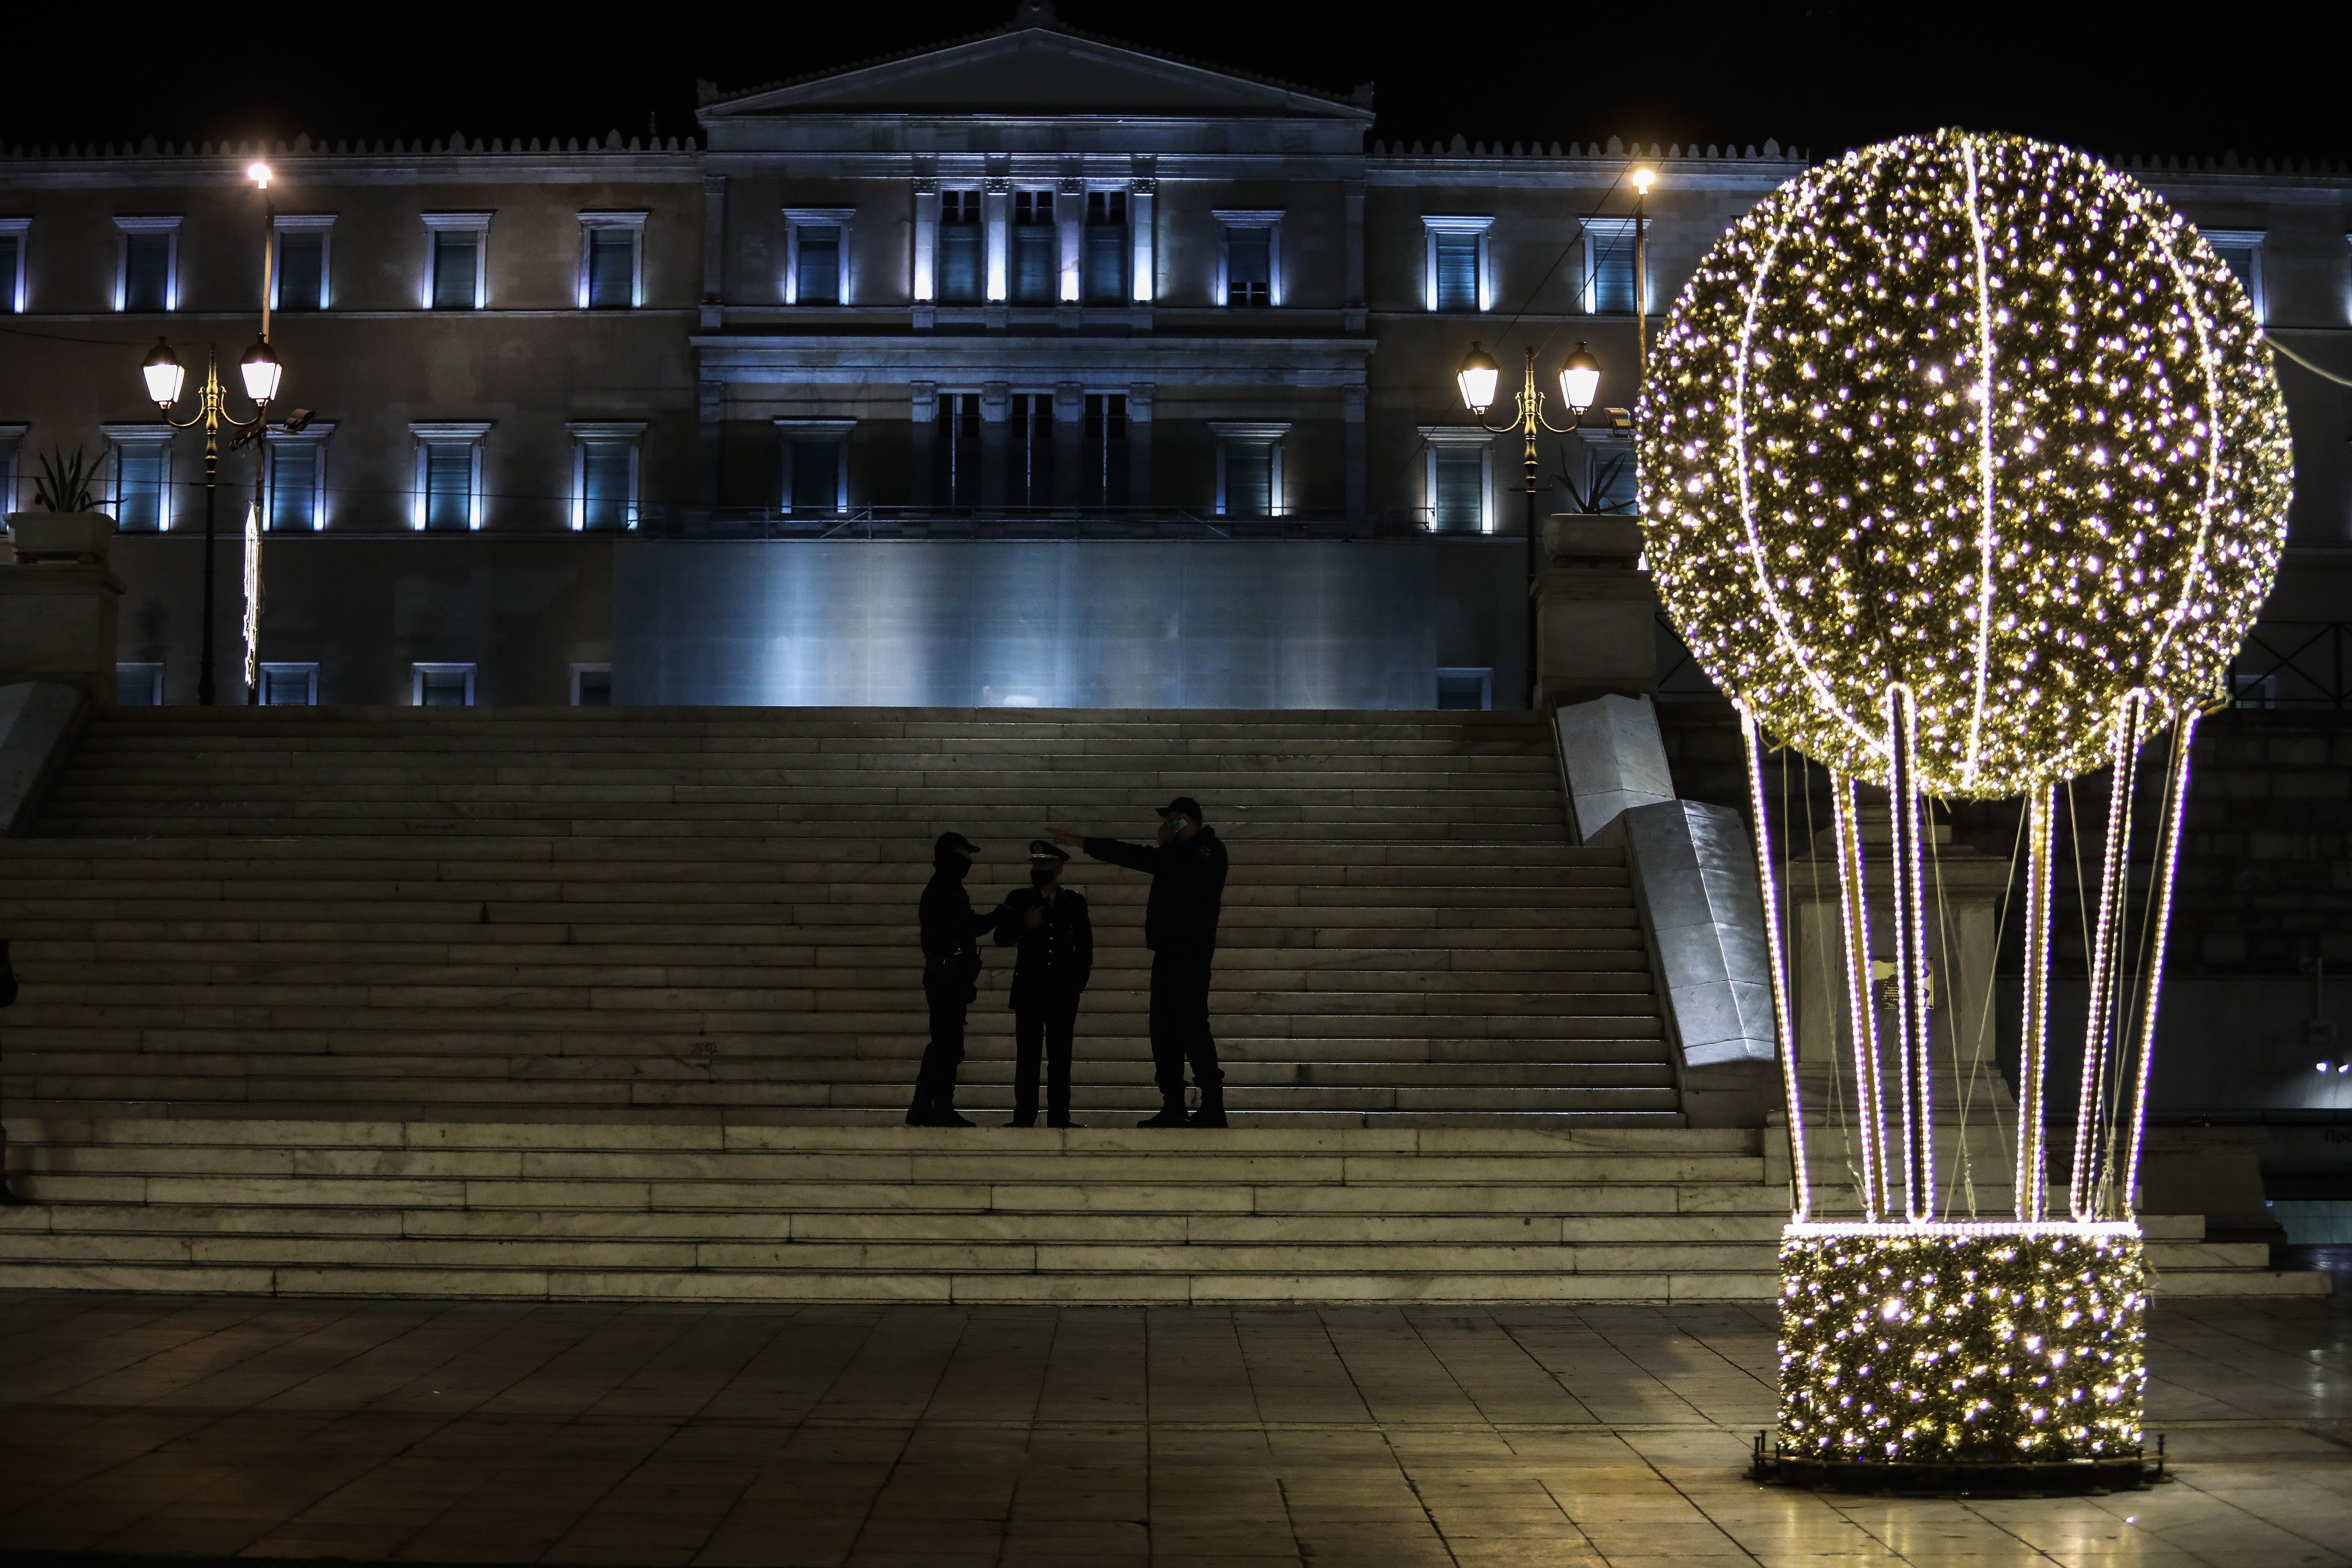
(1596, 612)
(58, 617)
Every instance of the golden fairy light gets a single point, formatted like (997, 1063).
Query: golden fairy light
(1964, 472)
(1976, 416)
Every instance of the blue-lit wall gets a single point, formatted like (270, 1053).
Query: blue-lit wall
(1051, 622)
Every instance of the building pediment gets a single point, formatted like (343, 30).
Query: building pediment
(1034, 69)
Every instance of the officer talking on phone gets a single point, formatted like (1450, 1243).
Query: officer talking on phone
(1187, 867)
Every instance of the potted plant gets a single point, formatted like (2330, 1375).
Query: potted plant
(1585, 535)
(68, 526)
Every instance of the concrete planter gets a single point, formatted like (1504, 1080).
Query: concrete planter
(1591, 539)
(59, 535)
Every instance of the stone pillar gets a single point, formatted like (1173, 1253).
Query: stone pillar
(1139, 444)
(714, 250)
(1596, 612)
(923, 428)
(1356, 315)
(58, 611)
(1069, 434)
(1358, 486)
(1143, 284)
(923, 286)
(995, 432)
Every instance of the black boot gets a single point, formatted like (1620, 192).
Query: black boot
(1171, 1112)
(944, 1112)
(1213, 1106)
(918, 1109)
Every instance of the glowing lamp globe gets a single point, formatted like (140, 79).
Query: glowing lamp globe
(1975, 415)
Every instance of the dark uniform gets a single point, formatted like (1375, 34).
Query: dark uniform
(1180, 927)
(950, 967)
(1057, 958)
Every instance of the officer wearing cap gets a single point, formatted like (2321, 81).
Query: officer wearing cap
(1050, 971)
(950, 966)
(1187, 866)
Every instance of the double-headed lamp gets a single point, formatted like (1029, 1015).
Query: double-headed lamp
(1478, 377)
(1580, 380)
(166, 375)
(261, 372)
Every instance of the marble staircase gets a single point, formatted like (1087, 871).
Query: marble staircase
(362, 911)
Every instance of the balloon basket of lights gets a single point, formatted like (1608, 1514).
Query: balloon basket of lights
(1964, 474)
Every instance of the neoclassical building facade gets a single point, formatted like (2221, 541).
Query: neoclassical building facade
(1030, 368)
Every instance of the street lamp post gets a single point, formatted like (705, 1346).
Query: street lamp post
(260, 371)
(1579, 382)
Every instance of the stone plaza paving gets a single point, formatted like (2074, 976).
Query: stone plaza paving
(934, 1436)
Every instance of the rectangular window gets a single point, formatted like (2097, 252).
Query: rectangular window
(289, 685)
(1456, 262)
(955, 449)
(1102, 447)
(147, 272)
(139, 685)
(612, 269)
(1614, 489)
(819, 251)
(448, 486)
(302, 269)
(142, 480)
(294, 486)
(456, 258)
(14, 232)
(592, 685)
(1036, 246)
(1249, 468)
(1030, 454)
(608, 485)
(816, 475)
(1105, 246)
(1457, 271)
(962, 244)
(1609, 266)
(1458, 488)
(442, 685)
(1249, 479)
(2241, 250)
(1249, 266)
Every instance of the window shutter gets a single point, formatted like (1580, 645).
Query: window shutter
(818, 280)
(1459, 500)
(140, 471)
(147, 272)
(455, 260)
(1457, 271)
(449, 486)
(816, 474)
(1249, 479)
(606, 501)
(294, 485)
(302, 270)
(612, 270)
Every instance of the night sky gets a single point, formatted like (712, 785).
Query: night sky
(2260, 80)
